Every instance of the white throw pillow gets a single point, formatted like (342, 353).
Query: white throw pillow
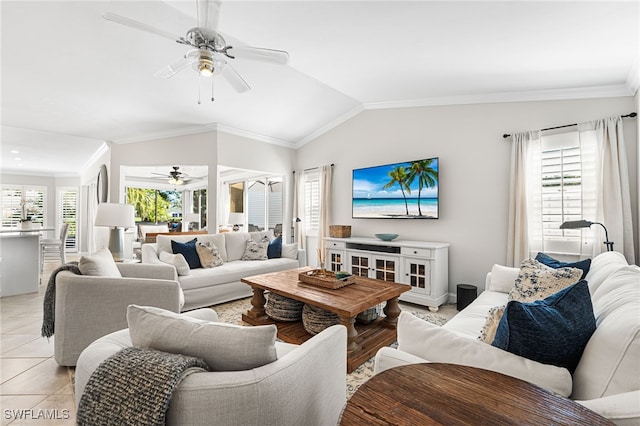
(503, 278)
(436, 344)
(290, 251)
(224, 347)
(177, 260)
(100, 264)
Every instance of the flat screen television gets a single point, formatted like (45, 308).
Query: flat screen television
(406, 190)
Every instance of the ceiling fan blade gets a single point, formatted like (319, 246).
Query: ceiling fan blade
(260, 54)
(171, 70)
(235, 80)
(209, 14)
(139, 25)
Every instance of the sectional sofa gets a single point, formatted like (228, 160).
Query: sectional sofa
(607, 377)
(210, 286)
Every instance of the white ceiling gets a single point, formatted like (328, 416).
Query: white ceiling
(74, 80)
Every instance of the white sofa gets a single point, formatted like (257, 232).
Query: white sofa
(211, 286)
(306, 385)
(607, 378)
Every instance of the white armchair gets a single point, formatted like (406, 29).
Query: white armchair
(306, 385)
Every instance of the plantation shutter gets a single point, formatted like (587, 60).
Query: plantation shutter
(67, 212)
(312, 201)
(11, 198)
(567, 172)
(16, 199)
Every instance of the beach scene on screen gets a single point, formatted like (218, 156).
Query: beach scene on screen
(400, 190)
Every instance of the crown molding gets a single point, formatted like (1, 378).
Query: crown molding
(255, 136)
(94, 158)
(523, 96)
(172, 133)
(633, 78)
(331, 125)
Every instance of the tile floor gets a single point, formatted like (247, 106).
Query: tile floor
(34, 389)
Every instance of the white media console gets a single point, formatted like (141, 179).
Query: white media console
(422, 265)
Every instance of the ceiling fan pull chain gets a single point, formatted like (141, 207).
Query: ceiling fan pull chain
(199, 84)
(212, 85)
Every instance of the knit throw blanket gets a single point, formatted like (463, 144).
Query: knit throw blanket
(49, 303)
(134, 387)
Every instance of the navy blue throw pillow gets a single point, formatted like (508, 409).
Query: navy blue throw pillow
(545, 259)
(551, 331)
(188, 250)
(274, 251)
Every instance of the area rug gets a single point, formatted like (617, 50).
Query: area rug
(232, 313)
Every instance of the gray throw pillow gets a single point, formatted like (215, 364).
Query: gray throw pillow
(209, 254)
(224, 347)
(100, 264)
(256, 251)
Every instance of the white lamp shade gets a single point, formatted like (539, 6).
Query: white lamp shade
(115, 215)
(236, 219)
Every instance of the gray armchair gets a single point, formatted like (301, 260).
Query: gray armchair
(89, 307)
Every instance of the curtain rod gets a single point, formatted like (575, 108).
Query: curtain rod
(312, 168)
(630, 115)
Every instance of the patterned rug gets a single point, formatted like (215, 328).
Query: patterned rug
(232, 313)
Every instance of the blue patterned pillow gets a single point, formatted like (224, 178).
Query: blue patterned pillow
(188, 250)
(551, 331)
(274, 251)
(583, 265)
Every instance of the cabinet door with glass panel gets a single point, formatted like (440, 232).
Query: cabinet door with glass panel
(371, 265)
(417, 273)
(336, 256)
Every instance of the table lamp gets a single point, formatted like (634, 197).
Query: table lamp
(117, 217)
(236, 220)
(575, 224)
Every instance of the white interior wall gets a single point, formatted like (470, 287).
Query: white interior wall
(474, 168)
(243, 153)
(194, 150)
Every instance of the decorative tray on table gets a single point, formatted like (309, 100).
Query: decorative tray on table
(326, 279)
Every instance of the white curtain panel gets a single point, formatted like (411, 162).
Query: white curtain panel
(613, 199)
(325, 207)
(524, 228)
(298, 208)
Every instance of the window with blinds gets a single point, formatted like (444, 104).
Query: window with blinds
(312, 201)
(67, 212)
(21, 203)
(567, 191)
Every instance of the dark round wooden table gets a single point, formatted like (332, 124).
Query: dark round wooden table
(449, 394)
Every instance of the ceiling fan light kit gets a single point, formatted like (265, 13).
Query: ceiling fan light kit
(210, 50)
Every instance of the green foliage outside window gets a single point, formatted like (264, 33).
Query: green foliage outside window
(151, 205)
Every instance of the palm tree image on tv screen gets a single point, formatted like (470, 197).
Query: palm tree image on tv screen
(396, 191)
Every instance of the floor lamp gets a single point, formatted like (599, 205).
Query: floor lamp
(117, 217)
(575, 224)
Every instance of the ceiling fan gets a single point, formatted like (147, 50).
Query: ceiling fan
(209, 54)
(176, 177)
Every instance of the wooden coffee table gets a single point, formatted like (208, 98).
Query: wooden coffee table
(448, 394)
(346, 302)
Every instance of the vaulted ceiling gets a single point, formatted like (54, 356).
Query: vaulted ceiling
(72, 80)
